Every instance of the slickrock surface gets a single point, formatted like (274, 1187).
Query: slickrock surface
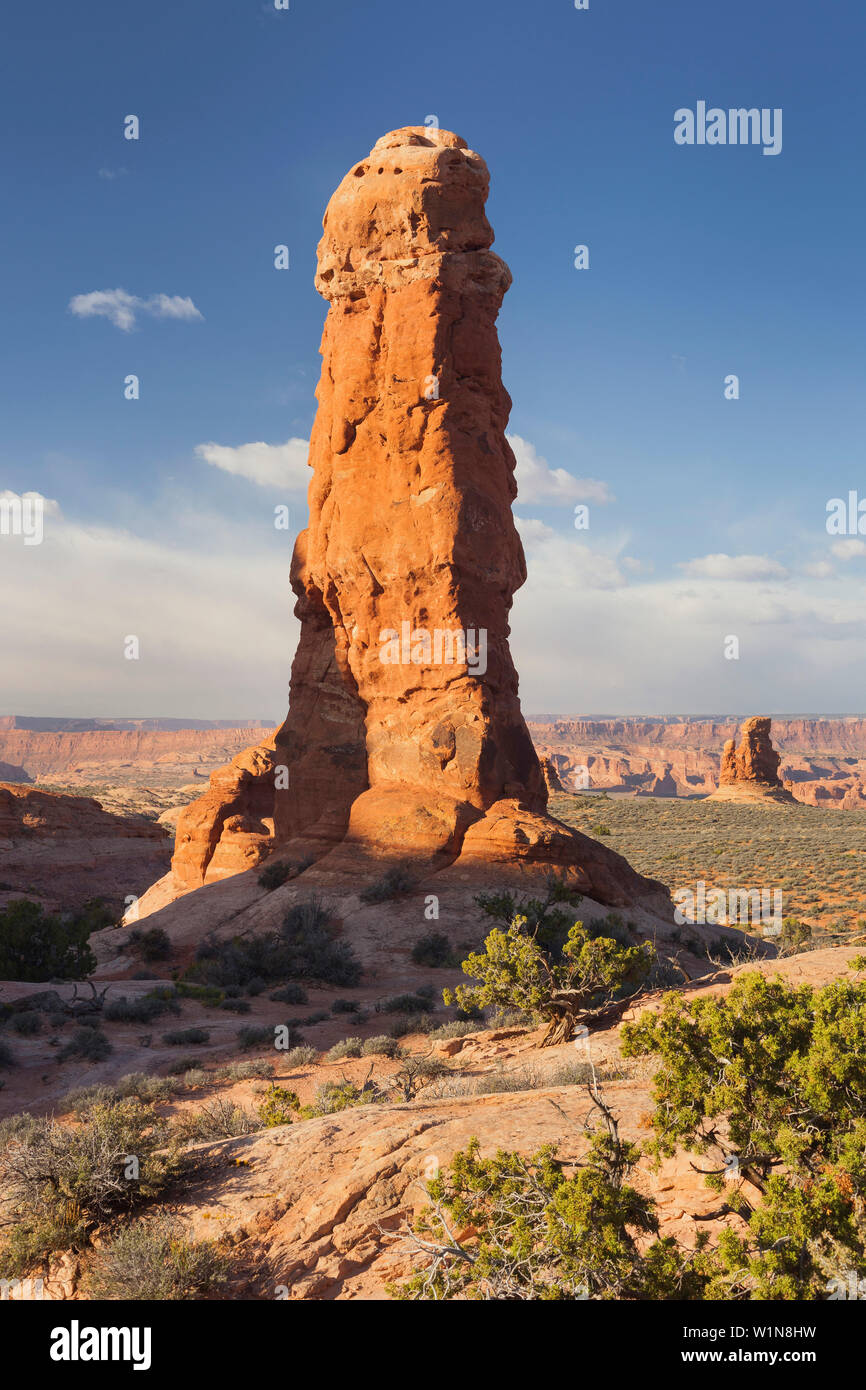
(63, 850)
(321, 1206)
(400, 743)
(750, 772)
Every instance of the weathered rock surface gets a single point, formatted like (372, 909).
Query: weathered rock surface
(231, 827)
(404, 738)
(66, 849)
(322, 1206)
(750, 771)
(550, 775)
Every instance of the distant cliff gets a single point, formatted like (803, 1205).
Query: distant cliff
(824, 760)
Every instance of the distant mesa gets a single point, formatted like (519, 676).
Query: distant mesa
(662, 785)
(750, 771)
(10, 772)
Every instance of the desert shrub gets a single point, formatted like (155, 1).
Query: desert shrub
(186, 1037)
(393, 882)
(154, 1261)
(548, 919)
(193, 1078)
(411, 1023)
(600, 829)
(541, 1235)
(255, 987)
(611, 925)
(415, 1073)
(87, 1044)
(135, 1085)
(256, 1037)
(417, 1003)
(290, 994)
(145, 1087)
(320, 1016)
(279, 1107)
(381, 1046)
(346, 1047)
(434, 950)
(138, 1010)
(274, 875)
(345, 1006)
(182, 1065)
(151, 943)
(456, 1028)
(784, 1071)
(313, 952)
(333, 1096)
(82, 1098)
(25, 1025)
(304, 948)
(243, 1071)
(795, 936)
(17, 1127)
(209, 995)
(219, 1119)
(516, 970)
(300, 1056)
(236, 1006)
(36, 945)
(61, 1181)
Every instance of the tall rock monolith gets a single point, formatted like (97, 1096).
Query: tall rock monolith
(750, 770)
(405, 738)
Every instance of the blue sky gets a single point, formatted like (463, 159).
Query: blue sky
(703, 262)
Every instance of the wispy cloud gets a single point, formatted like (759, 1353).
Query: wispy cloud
(538, 482)
(848, 550)
(121, 308)
(111, 174)
(281, 466)
(744, 567)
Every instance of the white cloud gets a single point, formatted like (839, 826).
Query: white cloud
(207, 597)
(48, 505)
(538, 482)
(532, 530)
(110, 174)
(270, 465)
(737, 567)
(848, 550)
(588, 637)
(820, 569)
(121, 308)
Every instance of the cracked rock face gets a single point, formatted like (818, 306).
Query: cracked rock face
(405, 736)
